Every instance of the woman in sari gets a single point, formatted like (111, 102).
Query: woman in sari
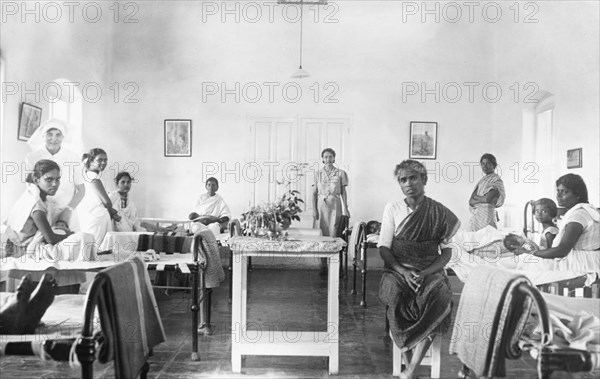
(487, 196)
(414, 286)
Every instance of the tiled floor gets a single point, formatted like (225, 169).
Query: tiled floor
(280, 299)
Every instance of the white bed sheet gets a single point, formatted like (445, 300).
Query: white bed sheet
(473, 249)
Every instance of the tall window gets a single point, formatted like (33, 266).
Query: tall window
(545, 157)
(67, 104)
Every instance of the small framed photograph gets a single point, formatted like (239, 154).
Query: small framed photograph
(178, 138)
(575, 158)
(423, 140)
(30, 119)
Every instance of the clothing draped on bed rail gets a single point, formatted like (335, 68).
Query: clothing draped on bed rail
(489, 321)
(485, 214)
(414, 315)
(137, 327)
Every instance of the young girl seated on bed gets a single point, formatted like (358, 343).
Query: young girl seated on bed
(123, 205)
(544, 210)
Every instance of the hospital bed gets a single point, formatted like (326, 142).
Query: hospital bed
(100, 325)
(186, 255)
(527, 320)
(569, 284)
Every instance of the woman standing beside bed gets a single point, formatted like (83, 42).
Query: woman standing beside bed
(487, 196)
(96, 210)
(414, 286)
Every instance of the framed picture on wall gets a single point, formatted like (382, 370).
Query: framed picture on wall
(178, 138)
(575, 158)
(30, 119)
(423, 140)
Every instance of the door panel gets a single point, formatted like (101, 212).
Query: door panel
(280, 145)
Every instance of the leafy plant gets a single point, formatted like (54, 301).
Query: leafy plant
(269, 216)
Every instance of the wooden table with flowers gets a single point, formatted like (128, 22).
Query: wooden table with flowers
(271, 342)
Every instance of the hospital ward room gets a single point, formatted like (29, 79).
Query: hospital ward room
(300, 189)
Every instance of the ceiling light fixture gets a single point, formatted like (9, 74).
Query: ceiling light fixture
(300, 72)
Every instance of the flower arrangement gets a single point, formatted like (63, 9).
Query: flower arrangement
(270, 219)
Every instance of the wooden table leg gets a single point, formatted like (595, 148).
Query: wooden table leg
(333, 313)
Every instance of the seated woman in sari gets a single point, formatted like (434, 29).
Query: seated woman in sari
(414, 286)
(211, 210)
(27, 225)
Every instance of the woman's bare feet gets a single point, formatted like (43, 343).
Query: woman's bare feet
(40, 300)
(14, 307)
(408, 374)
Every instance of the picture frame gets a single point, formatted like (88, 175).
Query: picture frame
(30, 118)
(575, 158)
(423, 140)
(178, 138)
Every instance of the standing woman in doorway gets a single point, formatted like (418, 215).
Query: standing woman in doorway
(330, 201)
(487, 196)
(47, 142)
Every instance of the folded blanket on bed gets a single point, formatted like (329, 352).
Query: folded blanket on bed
(486, 321)
(130, 319)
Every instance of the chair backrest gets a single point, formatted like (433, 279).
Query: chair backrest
(129, 319)
(235, 228)
(357, 237)
(344, 224)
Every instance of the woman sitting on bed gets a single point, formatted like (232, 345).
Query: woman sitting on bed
(211, 210)
(579, 229)
(28, 226)
(122, 203)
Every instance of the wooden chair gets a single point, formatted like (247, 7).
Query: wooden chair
(433, 357)
(358, 240)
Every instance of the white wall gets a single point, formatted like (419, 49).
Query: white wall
(369, 53)
(35, 53)
(560, 55)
